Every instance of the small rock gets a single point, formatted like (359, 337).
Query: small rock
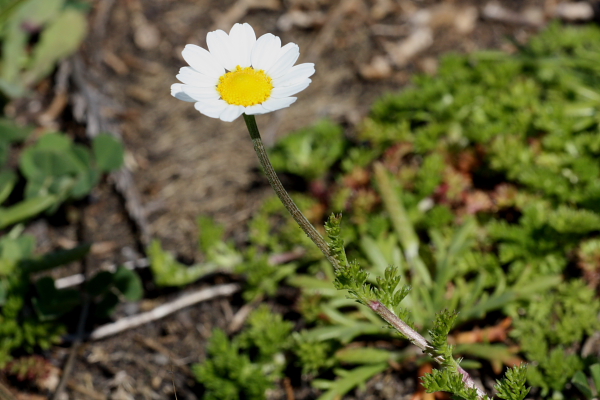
(378, 68)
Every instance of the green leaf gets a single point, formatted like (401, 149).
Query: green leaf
(55, 259)
(25, 209)
(11, 132)
(106, 306)
(210, 233)
(309, 152)
(13, 55)
(7, 8)
(365, 355)
(99, 284)
(38, 12)
(580, 381)
(169, 272)
(350, 379)
(3, 291)
(129, 284)
(52, 303)
(595, 371)
(7, 183)
(54, 165)
(108, 152)
(61, 38)
(568, 220)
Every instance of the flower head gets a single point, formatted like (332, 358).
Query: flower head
(241, 74)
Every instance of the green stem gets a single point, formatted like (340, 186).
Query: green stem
(316, 237)
(283, 195)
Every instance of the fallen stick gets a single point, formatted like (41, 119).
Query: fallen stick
(163, 310)
(77, 279)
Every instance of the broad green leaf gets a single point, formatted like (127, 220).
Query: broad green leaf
(106, 306)
(99, 284)
(129, 284)
(108, 152)
(54, 141)
(11, 132)
(595, 371)
(38, 12)
(13, 57)
(60, 39)
(7, 8)
(34, 13)
(52, 303)
(580, 381)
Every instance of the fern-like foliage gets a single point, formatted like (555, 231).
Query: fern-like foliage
(512, 386)
(446, 380)
(230, 373)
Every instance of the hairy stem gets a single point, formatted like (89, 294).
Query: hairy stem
(415, 338)
(283, 195)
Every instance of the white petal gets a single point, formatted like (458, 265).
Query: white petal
(190, 76)
(178, 93)
(285, 61)
(265, 51)
(220, 46)
(280, 92)
(242, 39)
(231, 112)
(202, 61)
(200, 93)
(296, 74)
(256, 109)
(212, 108)
(275, 104)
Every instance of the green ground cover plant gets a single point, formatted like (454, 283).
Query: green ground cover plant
(53, 171)
(480, 186)
(39, 173)
(247, 365)
(61, 26)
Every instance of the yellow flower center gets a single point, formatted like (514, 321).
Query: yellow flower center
(245, 86)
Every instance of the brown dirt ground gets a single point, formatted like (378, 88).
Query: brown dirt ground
(185, 164)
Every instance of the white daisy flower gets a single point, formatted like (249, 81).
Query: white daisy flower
(240, 74)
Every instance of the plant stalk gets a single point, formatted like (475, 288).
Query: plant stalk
(386, 314)
(416, 339)
(283, 195)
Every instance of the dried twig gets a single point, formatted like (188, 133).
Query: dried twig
(163, 310)
(76, 279)
(240, 317)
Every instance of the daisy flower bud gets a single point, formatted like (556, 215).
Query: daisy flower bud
(241, 74)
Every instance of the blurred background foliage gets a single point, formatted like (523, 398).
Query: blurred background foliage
(479, 183)
(40, 172)
(59, 27)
